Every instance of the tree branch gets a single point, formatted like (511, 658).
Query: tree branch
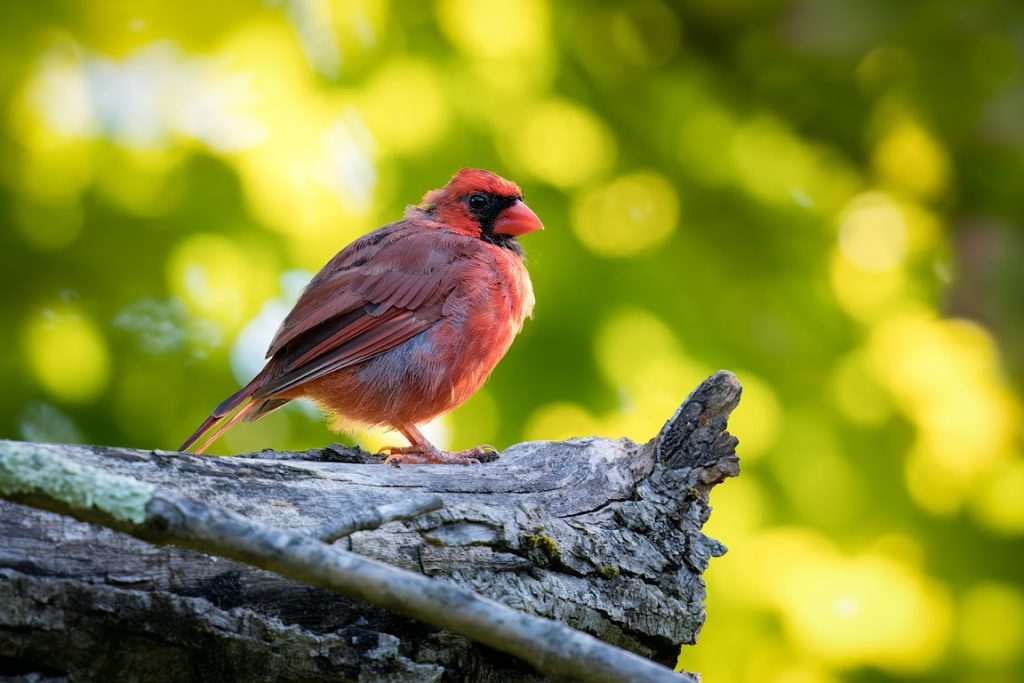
(374, 518)
(602, 535)
(43, 476)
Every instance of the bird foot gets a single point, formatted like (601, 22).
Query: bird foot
(415, 454)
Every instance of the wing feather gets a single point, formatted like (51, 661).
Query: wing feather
(340, 285)
(368, 299)
(376, 340)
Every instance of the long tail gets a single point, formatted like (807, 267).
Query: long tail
(219, 417)
(225, 425)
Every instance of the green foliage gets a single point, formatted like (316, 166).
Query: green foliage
(823, 197)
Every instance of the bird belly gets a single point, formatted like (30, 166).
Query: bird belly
(418, 380)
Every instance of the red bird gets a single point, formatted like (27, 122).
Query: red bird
(405, 323)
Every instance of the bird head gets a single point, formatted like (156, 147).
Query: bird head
(479, 203)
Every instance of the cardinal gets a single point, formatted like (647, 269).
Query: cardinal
(405, 323)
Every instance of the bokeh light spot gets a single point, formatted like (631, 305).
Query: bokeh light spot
(560, 143)
(219, 280)
(313, 179)
(56, 95)
(852, 610)
(944, 375)
(908, 158)
(777, 166)
(757, 417)
(770, 160)
(67, 354)
(866, 295)
(629, 340)
(872, 233)
(57, 176)
(334, 33)
(739, 510)
(556, 421)
(846, 607)
(630, 215)
(495, 29)
(386, 102)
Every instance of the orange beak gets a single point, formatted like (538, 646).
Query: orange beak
(517, 219)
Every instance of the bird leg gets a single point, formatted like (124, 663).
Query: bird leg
(422, 451)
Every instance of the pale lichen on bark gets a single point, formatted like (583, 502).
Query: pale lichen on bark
(27, 469)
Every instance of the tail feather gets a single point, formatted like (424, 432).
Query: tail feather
(265, 407)
(224, 409)
(226, 425)
(207, 423)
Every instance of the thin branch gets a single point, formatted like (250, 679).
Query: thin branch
(364, 520)
(43, 477)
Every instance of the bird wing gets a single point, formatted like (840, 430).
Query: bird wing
(373, 296)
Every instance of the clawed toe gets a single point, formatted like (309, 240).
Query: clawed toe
(395, 459)
(482, 454)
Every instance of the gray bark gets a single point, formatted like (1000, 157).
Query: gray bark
(602, 535)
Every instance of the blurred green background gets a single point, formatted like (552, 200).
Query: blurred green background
(824, 197)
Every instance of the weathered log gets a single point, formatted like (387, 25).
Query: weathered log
(602, 535)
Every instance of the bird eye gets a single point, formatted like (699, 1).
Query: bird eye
(479, 201)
